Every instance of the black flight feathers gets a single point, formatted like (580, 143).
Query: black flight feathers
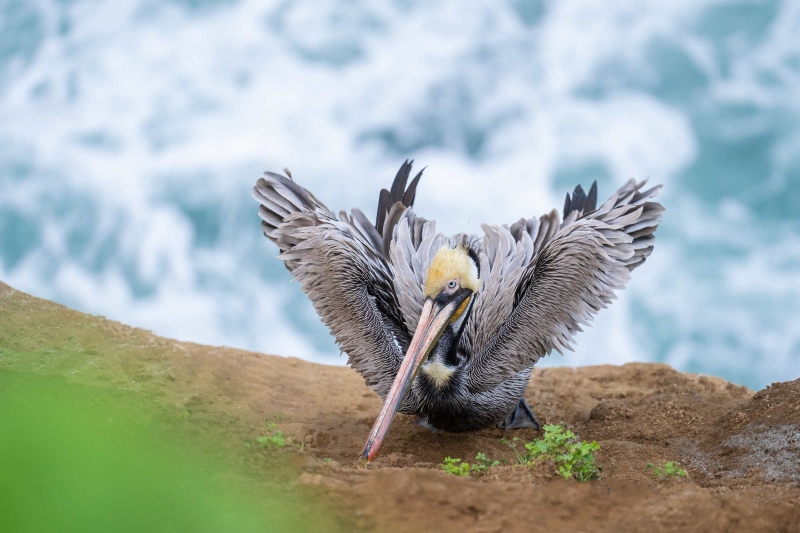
(398, 193)
(580, 201)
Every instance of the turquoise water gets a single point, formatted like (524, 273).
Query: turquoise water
(131, 132)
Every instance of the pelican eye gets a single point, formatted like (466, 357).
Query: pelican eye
(452, 284)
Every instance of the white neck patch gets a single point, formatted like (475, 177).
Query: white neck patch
(438, 373)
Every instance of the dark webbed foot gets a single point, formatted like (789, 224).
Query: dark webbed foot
(423, 421)
(521, 417)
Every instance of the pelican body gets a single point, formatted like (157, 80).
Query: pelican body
(448, 328)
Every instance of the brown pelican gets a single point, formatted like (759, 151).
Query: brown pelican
(448, 328)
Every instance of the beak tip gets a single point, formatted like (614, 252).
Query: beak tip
(366, 455)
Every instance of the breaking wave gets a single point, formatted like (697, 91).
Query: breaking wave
(132, 131)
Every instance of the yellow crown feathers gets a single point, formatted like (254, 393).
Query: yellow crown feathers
(448, 264)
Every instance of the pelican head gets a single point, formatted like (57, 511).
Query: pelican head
(450, 286)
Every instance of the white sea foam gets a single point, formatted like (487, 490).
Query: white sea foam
(131, 132)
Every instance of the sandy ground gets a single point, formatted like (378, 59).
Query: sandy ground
(741, 449)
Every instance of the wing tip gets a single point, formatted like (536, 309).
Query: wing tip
(400, 191)
(580, 201)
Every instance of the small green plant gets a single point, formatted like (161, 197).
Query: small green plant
(573, 458)
(482, 463)
(669, 470)
(521, 458)
(276, 440)
(455, 466)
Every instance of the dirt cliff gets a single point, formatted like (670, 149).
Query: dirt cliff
(741, 449)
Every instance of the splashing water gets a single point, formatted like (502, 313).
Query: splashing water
(131, 133)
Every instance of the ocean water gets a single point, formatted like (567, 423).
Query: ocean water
(132, 131)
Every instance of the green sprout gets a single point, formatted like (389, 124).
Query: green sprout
(276, 440)
(455, 466)
(482, 463)
(572, 458)
(669, 470)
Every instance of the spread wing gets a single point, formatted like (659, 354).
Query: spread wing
(574, 271)
(343, 267)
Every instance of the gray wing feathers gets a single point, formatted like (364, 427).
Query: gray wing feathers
(366, 228)
(343, 272)
(415, 241)
(502, 262)
(505, 253)
(281, 200)
(540, 229)
(641, 227)
(572, 277)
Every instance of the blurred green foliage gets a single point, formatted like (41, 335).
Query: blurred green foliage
(78, 459)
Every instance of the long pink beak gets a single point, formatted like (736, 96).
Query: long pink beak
(432, 321)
